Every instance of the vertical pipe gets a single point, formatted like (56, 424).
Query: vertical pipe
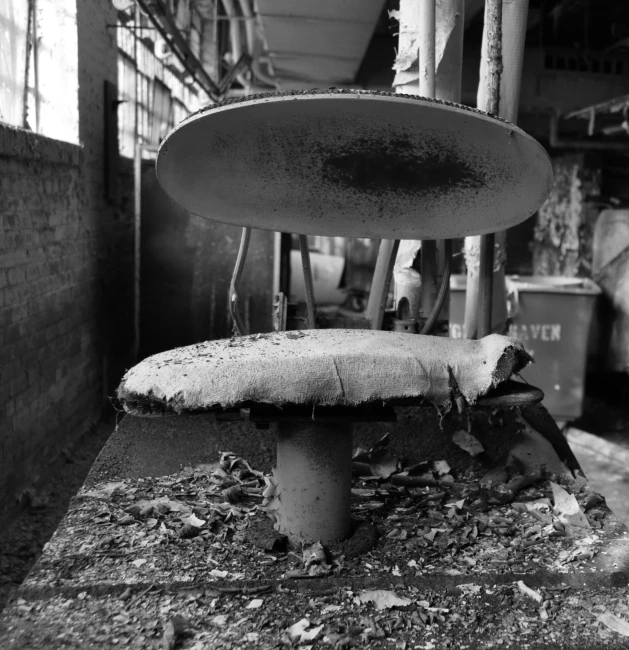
(492, 37)
(486, 284)
(427, 73)
(137, 195)
(239, 325)
(448, 87)
(388, 247)
(286, 241)
(427, 48)
(514, 23)
(430, 280)
(29, 43)
(277, 261)
(450, 65)
(314, 474)
(492, 41)
(308, 283)
(514, 28)
(381, 282)
(137, 232)
(36, 69)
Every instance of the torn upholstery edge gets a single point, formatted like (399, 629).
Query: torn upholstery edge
(512, 360)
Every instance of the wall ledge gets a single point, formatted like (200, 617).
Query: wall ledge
(26, 145)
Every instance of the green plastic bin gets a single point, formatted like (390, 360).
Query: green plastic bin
(552, 317)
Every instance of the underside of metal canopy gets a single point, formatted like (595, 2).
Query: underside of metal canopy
(354, 164)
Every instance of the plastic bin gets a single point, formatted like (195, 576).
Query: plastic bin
(552, 318)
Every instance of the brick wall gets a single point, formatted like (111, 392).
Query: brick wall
(65, 275)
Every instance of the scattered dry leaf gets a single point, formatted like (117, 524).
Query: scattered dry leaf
(193, 520)
(614, 623)
(383, 599)
(531, 593)
(175, 627)
(441, 467)
(468, 443)
(300, 633)
(569, 512)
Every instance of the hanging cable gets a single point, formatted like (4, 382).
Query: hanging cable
(239, 326)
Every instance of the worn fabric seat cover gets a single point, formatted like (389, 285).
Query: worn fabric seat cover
(319, 367)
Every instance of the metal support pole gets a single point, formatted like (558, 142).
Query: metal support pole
(486, 288)
(137, 197)
(314, 473)
(308, 283)
(381, 282)
(31, 19)
(492, 38)
(427, 74)
(239, 326)
(388, 248)
(427, 48)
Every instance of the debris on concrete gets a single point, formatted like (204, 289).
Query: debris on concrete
(444, 566)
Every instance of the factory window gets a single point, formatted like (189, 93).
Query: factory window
(591, 64)
(38, 58)
(150, 75)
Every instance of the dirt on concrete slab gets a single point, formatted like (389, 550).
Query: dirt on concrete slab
(31, 526)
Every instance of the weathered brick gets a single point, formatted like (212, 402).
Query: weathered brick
(16, 275)
(59, 242)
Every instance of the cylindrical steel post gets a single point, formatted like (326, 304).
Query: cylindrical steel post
(492, 50)
(426, 55)
(314, 474)
(308, 282)
(486, 286)
(427, 79)
(381, 282)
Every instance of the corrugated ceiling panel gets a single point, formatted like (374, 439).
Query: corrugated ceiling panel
(352, 10)
(343, 40)
(321, 42)
(313, 70)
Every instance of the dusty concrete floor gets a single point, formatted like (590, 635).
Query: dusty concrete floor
(21, 541)
(600, 440)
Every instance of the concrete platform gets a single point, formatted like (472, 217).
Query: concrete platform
(455, 567)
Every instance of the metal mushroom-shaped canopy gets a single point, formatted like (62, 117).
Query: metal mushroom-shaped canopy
(354, 163)
(322, 381)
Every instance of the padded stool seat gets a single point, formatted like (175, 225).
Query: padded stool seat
(319, 367)
(310, 493)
